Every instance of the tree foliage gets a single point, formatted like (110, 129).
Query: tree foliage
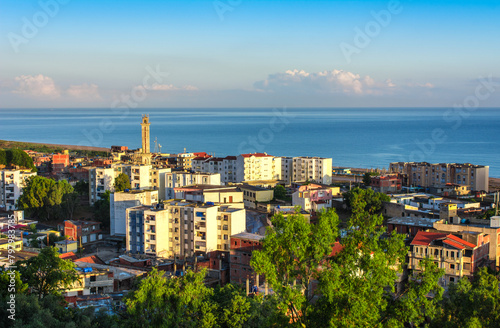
(16, 157)
(122, 182)
(171, 302)
(292, 252)
(45, 198)
(47, 273)
(101, 209)
(372, 200)
(279, 192)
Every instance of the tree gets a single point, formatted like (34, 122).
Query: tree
(372, 200)
(367, 179)
(280, 192)
(47, 273)
(171, 302)
(472, 303)
(101, 209)
(292, 252)
(82, 188)
(122, 182)
(43, 197)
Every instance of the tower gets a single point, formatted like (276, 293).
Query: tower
(145, 134)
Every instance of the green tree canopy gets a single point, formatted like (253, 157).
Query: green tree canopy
(47, 273)
(16, 157)
(279, 192)
(171, 302)
(122, 182)
(43, 198)
(292, 253)
(372, 200)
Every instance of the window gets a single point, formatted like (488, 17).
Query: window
(452, 266)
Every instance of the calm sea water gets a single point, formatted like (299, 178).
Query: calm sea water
(359, 137)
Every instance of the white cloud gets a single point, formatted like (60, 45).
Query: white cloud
(36, 86)
(335, 81)
(84, 91)
(171, 87)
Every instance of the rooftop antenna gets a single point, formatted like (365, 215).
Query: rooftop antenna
(156, 145)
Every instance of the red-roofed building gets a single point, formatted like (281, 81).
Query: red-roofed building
(92, 259)
(68, 256)
(458, 257)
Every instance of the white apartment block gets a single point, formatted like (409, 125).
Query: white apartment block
(226, 167)
(257, 166)
(158, 180)
(426, 174)
(121, 201)
(100, 180)
(313, 169)
(181, 179)
(139, 175)
(182, 229)
(11, 184)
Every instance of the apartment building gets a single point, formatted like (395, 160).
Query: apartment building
(90, 281)
(84, 232)
(120, 201)
(313, 197)
(12, 183)
(180, 179)
(185, 160)
(426, 174)
(242, 246)
(314, 169)
(158, 180)
(100, 180)
(217, 195)
(182, 229)
(225, 166)
(257, 166)
(455, 255)
(147, 231)
(255, 194)
(139, 175)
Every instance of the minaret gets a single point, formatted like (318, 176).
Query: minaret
(145, 134)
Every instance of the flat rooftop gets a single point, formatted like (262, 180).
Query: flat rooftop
(248, 236)
(413, 221)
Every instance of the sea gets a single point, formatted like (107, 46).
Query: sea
(352, 137)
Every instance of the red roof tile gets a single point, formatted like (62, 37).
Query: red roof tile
(452, 243)
(425, 238)
(68, 256)
(461, 241)
(256, 155)
(91, 259)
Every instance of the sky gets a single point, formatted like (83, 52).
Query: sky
(242, 53)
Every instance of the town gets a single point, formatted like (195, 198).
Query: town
(119, 215)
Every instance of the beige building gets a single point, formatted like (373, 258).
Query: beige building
(100, 180)
(119, 202)
(313, 169)
(255, 194)
(178, 179)
(12, 183)
(257, 166)
(456, 256)
(426, 174)
(182, 228)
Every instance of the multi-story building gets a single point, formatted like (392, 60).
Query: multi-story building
(242, 246)
(11, 187)
(386, 184)
(147, 231)
(257, 166)
(182, 229)
(426, 174)
(120, 201)
(158, 181)
(217, 195)
(455, 255)
(100, 180)
(312, 197)
(59, 162)
(84, 232)
(314, 169)
(225, 166)
(255, 194)
(181, 179)
(139, 175)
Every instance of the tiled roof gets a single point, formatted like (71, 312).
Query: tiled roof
(256, 155)
(91, 259)
(426, 238)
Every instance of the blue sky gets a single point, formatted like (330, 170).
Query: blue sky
(232, 53)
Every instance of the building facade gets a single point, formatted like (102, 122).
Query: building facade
(242, 246)
(120, 201)
(257, 166)
(12, 183)
(313, 169)
(426, 174)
